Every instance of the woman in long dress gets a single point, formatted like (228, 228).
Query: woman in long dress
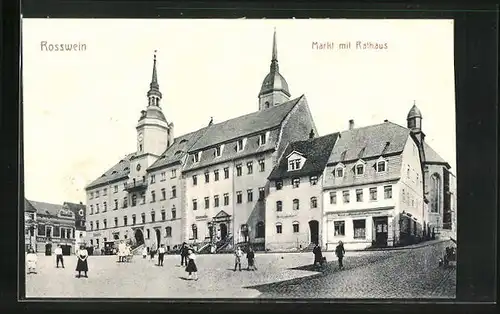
(82, 264)
(31, 260)
(191, 266)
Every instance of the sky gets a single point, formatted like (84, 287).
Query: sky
(81, 107)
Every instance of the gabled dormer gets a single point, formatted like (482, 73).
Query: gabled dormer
(381, 165)
(359, 167)
(339, 170)
(240, 144)
(197, 157)
(218, 150)
(264, 138)
(295, 161)
(66, 212)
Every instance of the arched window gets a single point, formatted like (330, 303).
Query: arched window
(435, 193)
(195, 231)
(267, 104)
(279, 206)
(260, 230)
(314, 202)
(168, 232)
(295, 225)
(296, 204)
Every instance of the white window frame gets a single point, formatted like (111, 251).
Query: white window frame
(276, 228)
(341, 167)
(381, 160)
(361, 164)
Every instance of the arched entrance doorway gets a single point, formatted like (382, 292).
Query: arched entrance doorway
(158, 237)
(223, 231)
(139, 237)
(314, 229)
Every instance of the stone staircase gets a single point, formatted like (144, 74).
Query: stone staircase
(224, 246)
(137, 250)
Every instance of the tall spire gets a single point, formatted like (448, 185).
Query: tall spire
(154, 88)
(274, 58)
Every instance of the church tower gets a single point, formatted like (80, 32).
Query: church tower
(274, 90)
(154, 133)
(414, 122)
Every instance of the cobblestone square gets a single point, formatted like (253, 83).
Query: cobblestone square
(405, 273)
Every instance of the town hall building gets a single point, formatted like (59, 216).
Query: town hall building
(208, 187)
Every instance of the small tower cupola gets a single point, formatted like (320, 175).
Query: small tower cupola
(274, 89)
(414, 119)
(154, 94)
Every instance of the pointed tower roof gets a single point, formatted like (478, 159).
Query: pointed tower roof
(414, 112)
(154, 88)
(274, 81)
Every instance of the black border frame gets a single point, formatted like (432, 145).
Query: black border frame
(476, 66)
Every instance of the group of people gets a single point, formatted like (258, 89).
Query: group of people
(124, 252)
(250, 259)
(320, 260)
(81, 265)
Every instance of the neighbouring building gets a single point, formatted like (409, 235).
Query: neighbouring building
(80, 213)
(55, 225)
(205, 187)
(373, 188)
(294, 211)
(30, 225)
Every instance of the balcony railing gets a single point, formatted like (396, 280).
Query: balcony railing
(136, 185)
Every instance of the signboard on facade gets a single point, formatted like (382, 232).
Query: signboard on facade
(96, 234)
(286, 215)
(201, 217)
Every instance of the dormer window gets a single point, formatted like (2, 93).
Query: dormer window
(218, 150)
(359, 168)
(294, 164)
(263, 138)
(240, 145)
(339, 171)
(381, 165)
(197, 157)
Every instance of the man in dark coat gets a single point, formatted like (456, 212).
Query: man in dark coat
(340, 252)
(318, 256)
(184, 254)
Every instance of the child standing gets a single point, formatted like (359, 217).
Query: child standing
(31, 260)
(191, 266)
(144, 252)
(237, 261)
(340, 252)
(251, 259)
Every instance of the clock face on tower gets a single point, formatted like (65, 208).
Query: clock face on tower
(140, 137)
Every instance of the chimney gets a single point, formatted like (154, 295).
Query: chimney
(351, 124)
(311, 134)
(81, 203)
(386, 120)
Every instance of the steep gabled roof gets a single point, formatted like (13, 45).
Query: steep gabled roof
(43, 208)
(432, 157)
(118, 171)
(316, 151)
(372, 141)
(28, 207)
(244, 125)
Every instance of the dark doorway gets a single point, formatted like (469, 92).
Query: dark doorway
(380, 224)
(48, 249)
(66, 249)
(158, 237)
(139, 237)
(211, 232)
(314, 228)
(223, 231)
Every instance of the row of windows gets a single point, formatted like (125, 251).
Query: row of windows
(313, 180)
(56, 232)
(373, 192)
(134, 199)
(239, 198)
(359, 168)
(359, 228)
(134, 219)
(296, 204)
(239, 171)
(168, 234)
(295, 227)
(240, 146)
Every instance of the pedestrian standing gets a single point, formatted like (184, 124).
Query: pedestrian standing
(184, 254)
(191, 265)
(152, 253)
(340, 252)
(161, 255)
(59, 256)
(121, 251)
(237, 260)
(31, 261)
(82, 264)
(318, 255)
(144, 252)
(251, 259)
